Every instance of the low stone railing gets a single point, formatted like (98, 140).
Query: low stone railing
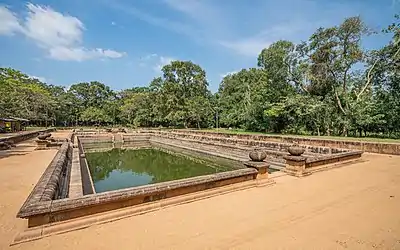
(23, 136)
(249, 142)
(371, 147)
(277, 153)
(51, 184)
(42, 206)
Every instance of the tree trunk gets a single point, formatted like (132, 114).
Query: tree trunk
(344, 131)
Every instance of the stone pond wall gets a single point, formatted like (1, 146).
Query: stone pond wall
(53, 184)
(238, 149)
(371, 147)
(47, 202)
(16, 138)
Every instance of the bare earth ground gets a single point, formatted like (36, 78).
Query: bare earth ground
(353, 207)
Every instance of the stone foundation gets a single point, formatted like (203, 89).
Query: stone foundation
(66, 192)
(370, 147)
(48, 204)
(23, 136)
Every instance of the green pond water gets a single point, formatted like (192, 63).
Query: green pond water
(123, 168)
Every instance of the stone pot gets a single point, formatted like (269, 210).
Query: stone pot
(257, 155)
(4, 146)
(296, 150)
(44, 136)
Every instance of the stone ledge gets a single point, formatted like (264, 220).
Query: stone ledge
(48, 184)
(16, 138)
(36, 208)
(371, 147)
(31, 234)
(128, 193)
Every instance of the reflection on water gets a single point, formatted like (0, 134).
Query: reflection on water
(123, 168)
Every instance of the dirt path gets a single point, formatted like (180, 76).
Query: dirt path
(353, 207)
(20, 169)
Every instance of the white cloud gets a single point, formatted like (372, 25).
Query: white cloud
(246, 29)
(252, 46)
(161, 62)
(113, 23)
(155, 61)
(196, 10)
(175, 26)
(9, 23)
(51, 29)
(247, 47)
(81, 54)
(228, 73)
(149, 57)
(60, 34)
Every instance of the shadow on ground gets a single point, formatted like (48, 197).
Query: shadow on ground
(7, 153)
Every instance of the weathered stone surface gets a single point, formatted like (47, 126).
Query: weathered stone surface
(75, 184)
(371, 147)
(261, 167)
(48, 186)
(13, 139)
(237, 147)
(296, 166)
(257, 155)
(229, 149)
(296, 150)
(4, 146)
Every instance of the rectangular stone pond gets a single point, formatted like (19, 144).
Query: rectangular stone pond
(123, 168)
(141, 160)
(94, 174)
(101, 173)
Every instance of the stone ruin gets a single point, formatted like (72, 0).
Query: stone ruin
(46, 141)
(5, 145)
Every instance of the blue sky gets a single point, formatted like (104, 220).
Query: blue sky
(124, 43)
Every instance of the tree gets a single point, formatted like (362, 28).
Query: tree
(332, 54)
(94, 115)
(327, 85)
(245, 95)
(23, 96)
(182, 83)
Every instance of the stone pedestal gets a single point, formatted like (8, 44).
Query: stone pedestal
(4, 146)
(41, 144)
(262, 175)
(295, 165)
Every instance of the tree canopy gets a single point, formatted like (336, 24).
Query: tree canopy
(326, 85)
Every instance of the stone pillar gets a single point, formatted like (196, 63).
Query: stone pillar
(41, 144)
(262, 175)
(295, 165)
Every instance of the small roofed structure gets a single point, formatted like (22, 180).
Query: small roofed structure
(13, 124)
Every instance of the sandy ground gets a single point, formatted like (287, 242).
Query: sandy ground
(353, 207)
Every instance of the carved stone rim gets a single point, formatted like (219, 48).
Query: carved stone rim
(38, 208)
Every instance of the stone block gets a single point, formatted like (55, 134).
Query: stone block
(295, 166)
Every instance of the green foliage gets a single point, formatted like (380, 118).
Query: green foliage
(23, 96)
(327, 85)
(95, 116)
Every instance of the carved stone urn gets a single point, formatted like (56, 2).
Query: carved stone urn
(44, 136)
(296, 150)
(257, 155)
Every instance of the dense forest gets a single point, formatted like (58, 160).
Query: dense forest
(327, 85)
